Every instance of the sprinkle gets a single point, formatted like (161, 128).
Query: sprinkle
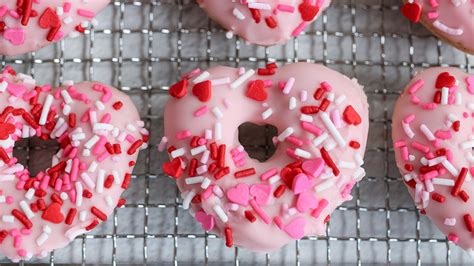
(218, 131)
(427, 132)
(332, 129)
(450, 221)
(220, 213)
(443, 182)
(459, 182)
(408, 131)
(188, 198)
(288, 86)
(217, 112)
(259, 211)
(240, 80)
(302, 153)
(267, 113)
(292, 103)
(325, 185)
(286, 133)
(46, 108)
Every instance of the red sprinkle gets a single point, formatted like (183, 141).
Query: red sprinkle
(468, 222)
(221, 156)
(464, 196)
(99, 214)
(117, 105)
(279, 191)
(249, 216)
(22, 218)
(70, 216)
(137, 144)
(310, 109)
(354, 144)
(245, 173)
(126, 180)
(438, 197)
(221, 173)
(228, 237)
(92, 225)
(459, 182)
(328, 160)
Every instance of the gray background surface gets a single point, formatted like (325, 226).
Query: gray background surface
(142, 47)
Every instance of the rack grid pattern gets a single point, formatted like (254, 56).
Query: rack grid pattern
(142, 47)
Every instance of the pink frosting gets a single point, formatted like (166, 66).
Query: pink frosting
(432, 141)
(244, 204)
(270, 22)
(453, 20)
(43, 22)
(102, 114)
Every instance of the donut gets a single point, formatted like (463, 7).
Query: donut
(450, 20)
(264, 22)
(432, 134)
(322, 122)
(99, 133)
(29, 25)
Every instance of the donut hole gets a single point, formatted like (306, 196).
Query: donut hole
(35, 154)
(257, 140)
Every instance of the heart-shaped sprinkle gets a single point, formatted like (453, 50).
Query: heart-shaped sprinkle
(305, 202)
(314, 167)
(239, 194)
(53, 213)
(15, 36)
(412, 11)
(301, 183)
(202, 91)
(173, 168)
(49, 19)
(6, 129)
(261, 192)
(470, 84)
(445, 80)
(179, 89)
(295, 228)
(288, 175)
(351, 116)
(308, 11)
(256, 91)
(206, 220)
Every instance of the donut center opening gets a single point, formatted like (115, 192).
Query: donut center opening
(35, 153)
(257, 140)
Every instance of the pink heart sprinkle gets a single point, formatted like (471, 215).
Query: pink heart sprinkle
(301, 183)
(313, 167)
(470, 84)
(295, 228)
(239, 194)
(15, 36)
(261, 192)
(305, 202)
(207, 220)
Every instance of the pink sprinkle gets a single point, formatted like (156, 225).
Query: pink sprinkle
(201, 111)
(22, 253)
(9, 200)
(321, 205)
(241, 71)
(103, 156)
(416, 86)
(183, 134)
(295, 141)
(453, 237)
(3, 10)
(227, 103)
(443, 134)
(433, 15)
(405, 153)
(285, 8)
(191, 73)
(106, 118)
(267, 83)
(409, 119)
(207, 193)
(429, 106)
(336, 118)
(326, 86)
(260, 212)
(291, 153)
(434, 3)
(420, 147)
(311, 128)
(269, 173)
(414, 99)
(72, 195)
(45, 183)
(299, 29)
(13, 14)
(67, 7)
(85, 13)
(25, 231)
(239, 156)
(16, 90)
(202, 141)
(303, 95)
(278, 222)
(430, 175)
(130, 138)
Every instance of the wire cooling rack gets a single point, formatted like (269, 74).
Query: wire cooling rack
(142, 47)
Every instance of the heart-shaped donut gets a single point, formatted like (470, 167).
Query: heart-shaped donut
(264, 22)
(433, 140)
(450, 20)
(319, 149)
(29, 25)
(99, 135)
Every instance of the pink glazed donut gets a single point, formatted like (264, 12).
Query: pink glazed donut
(433, 140)
(99, 134)
(450, 20)
(322, 122)
(28, 25)
(264, 22)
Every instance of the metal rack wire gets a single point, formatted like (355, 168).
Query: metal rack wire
(142, 47)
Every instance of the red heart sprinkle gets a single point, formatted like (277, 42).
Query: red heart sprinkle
(256, 91)
(6, 129)
(445, 80)
(173, 168)
(178, 90)
(202, 91)
(49, 19)
(53, 213)
(308, 11)
(412, 11)
(351, 116)
(288, 175)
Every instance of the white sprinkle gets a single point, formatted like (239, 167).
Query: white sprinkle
(47, 229)
(26, 209)
(292, 103)
(346, 165)
(82, 216)
(450, 168)
(42, 239)
(203, 76)
(188, 198)
(358, 159)
(267, 113)
(131, 127)
(46, 108)
(2, 199)
(194, 180)
(467, 145)
(340, 99)
(429, 186)
(443, 182)
(240, 80)
(221, 81)
(178, 152)
(198, 150)
(332, 129)
(262, 6)
(205, 156)
(30, 193)
(217, 112)
(359, 173)
(272, 180)
(408, 177)
(306, 118)
(205, 183)
(286, 133)
(117, 179)
(208, 134)
(67, 98)
(408, 130)
(79, 191)
(201, 169)
(218, 131)
(100, 181)
(238, 14)
(458, 99)
(452, 118)
(25, 133)
(325, 185)
(8, 218)
(288, 86)
(330, 144)
(428, 134)
(320, 139)
(91, 142)
(100, 106)
(102, 126)
(63, 196)
(3, 86)
(302, 153)
(92, 167)
(220, 213)
(218, 191)
(444, 96)
(78, 136)
(87, 179)
(450, 221)
(436, 160)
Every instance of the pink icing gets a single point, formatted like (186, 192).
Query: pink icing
(51, 210)
(249, 211)
(279, 20)
(25, 33)
(441, 147)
